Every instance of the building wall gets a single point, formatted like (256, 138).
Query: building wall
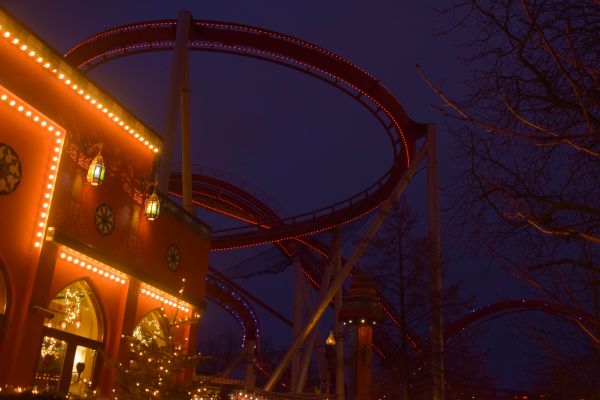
(135, 248)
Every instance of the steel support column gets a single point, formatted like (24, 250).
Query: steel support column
(299, 293)
(338, 331)
(174, 98)
(350, 263)
(310, 342)
(435, 270)
(186, 156)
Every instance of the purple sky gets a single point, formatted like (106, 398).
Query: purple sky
(298, 140)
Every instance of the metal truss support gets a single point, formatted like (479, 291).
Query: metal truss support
(337, 284)
(338, 331)
(178, 100)
(299, 294)
(310, 342)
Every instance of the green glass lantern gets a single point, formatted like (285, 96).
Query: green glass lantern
(96, 170)
(152, 207)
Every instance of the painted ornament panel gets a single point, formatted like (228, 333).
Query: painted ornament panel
(173, 258)
(10, 169)
(105, 219)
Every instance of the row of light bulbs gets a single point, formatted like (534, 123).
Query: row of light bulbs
(86, 96)
(102, 270)
(30, 113)
(166, 299)
(96, 171)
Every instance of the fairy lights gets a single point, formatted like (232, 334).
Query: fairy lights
(79, 86)
(92, 266)
(350, 75)
(165, 299)
(19, 106)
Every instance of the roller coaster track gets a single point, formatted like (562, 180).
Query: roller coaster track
(262, 224)
(281, 49)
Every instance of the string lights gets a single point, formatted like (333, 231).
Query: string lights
(165, 299)
(89, 94)
(91, 265)
(19, 106)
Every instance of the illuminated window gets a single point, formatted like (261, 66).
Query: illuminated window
(72, 338)
(76, 312)
(151, 328)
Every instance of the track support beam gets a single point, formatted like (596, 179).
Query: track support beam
(310, 342)
(338, 330)
(350, 263)
(299, 294)
(435, 269)
(178, 100)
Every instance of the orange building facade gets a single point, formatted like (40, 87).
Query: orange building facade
(81, 265)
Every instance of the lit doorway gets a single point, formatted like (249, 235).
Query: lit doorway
(72, 339)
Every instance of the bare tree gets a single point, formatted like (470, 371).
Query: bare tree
(528, 132)
(398, 260)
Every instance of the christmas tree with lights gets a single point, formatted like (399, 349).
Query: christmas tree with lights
(160, 366)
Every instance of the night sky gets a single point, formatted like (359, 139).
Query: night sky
(288, 135)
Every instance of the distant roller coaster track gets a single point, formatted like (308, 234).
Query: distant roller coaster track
(281, 49)
(384, 346)
(263, 225)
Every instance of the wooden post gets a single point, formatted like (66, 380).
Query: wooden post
(364, 340)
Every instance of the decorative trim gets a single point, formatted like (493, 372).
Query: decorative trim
(10, 169)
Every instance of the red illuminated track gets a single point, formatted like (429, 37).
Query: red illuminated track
(262, 44)
(263, 225)
(233, 201)
(502, 308)
(231, 197)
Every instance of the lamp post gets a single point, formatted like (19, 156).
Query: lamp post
(361, 311)
(330, 358)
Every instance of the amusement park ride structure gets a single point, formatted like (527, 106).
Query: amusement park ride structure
(292, 235)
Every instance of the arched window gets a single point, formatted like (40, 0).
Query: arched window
(76, 312)
(72, 338)
(151, 328)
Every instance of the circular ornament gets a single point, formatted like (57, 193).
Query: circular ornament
(105, 219)
(173, 257)
(10, 169)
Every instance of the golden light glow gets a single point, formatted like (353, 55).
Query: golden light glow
(92, 265)
(89, 96)
(8, 98)
(96, 171)
(330, 341)
(165, 299)
(152, 207)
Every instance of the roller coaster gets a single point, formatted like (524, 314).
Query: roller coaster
(262, 223)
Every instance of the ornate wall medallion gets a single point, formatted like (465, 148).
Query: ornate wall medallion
(105, 219)
(173, 257)
(10, 169)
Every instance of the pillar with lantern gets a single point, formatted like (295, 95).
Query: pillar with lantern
(360, 312)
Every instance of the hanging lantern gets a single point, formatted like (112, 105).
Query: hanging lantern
(152, 207)
(95, 175)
